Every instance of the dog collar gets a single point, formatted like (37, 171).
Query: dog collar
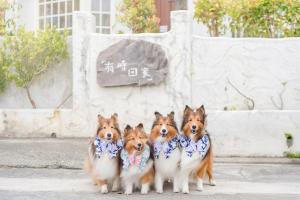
(166, 147)
(190, 146)
(103, 146)
(137, 160)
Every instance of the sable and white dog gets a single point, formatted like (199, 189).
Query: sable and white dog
(196, 155)
(137, 165)
(164, 138)
(104, 153)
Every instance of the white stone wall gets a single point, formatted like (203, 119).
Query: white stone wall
(199, 73)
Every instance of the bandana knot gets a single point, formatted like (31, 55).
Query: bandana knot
(138, 160)
(190, 146)
(166, 147)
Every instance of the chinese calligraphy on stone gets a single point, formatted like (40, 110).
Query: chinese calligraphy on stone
(132, 62)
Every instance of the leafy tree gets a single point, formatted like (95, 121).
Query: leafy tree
(3, 7)
(32, 53)
(211, 13)
(250, 18)
(139, 15)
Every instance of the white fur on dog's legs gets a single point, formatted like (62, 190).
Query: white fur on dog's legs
(176, 187)
(104, 189)
(185, 184)
(145, 188)
(128, 188)
(158, 183)
(200, 184)
(116, 185)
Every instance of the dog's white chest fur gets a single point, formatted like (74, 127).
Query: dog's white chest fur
(168, 167)
(189, 163)
(133, 174)
(105, 167)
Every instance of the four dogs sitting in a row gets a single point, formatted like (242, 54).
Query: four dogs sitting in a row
(137, 161)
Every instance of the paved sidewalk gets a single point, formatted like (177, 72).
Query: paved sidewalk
(234, 181)
(51, 169)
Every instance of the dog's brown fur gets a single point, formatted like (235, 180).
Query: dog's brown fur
(133, 137)
(159, 121)
(197, 117)
(104, 124)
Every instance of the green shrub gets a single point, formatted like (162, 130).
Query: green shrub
(32, 53)
(4, 64)
(211, 13)
(139, 15)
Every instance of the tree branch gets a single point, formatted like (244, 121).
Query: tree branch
(243, 95)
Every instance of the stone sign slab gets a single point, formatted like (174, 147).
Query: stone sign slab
(132, 62)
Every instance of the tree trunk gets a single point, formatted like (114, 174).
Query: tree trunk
(30, 98)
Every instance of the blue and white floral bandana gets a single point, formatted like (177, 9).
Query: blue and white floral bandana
(103, 146)
(138, 160)
(190, 146)
(166, 147)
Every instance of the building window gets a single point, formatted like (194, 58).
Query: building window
(57, 13)
(102, 11)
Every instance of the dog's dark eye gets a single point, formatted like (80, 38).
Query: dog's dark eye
(190, 120)
(198, 120)
(111, 127)
(160, 124)
(104, 127)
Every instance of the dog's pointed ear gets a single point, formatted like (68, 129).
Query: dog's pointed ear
(114, 117)
(157, 115)
(127, 129)
(187, 110)
(100, 118)
(140, 126)
(201, 109)
(171, 115)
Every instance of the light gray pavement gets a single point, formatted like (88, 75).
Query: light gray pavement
(50, 169)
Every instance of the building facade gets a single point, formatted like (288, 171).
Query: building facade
(36, 14)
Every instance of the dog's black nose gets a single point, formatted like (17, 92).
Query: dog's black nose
(164, 130)
(139, 144)
(108, 134)
(194, 127)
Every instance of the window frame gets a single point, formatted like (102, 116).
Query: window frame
(60, 20)
(100, 12)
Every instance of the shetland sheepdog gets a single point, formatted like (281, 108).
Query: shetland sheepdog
(164, 140)
(104, 154)
(137, 164)
(196, 154)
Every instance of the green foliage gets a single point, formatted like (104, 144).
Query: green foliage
(251, 18)
(139, 15)
(28, 54)
(288, 136)
(3, 7)
(4, 64)
(211, 13)
(31, 53)
(292, 154)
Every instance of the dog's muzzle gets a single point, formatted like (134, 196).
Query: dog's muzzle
(163, 131)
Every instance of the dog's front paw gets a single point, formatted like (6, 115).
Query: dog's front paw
(128, 192)
(200, 185)
(212, 182)
(185, 190)
(104, 189)
(145, 189)
(159, 191)
(176, 190)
